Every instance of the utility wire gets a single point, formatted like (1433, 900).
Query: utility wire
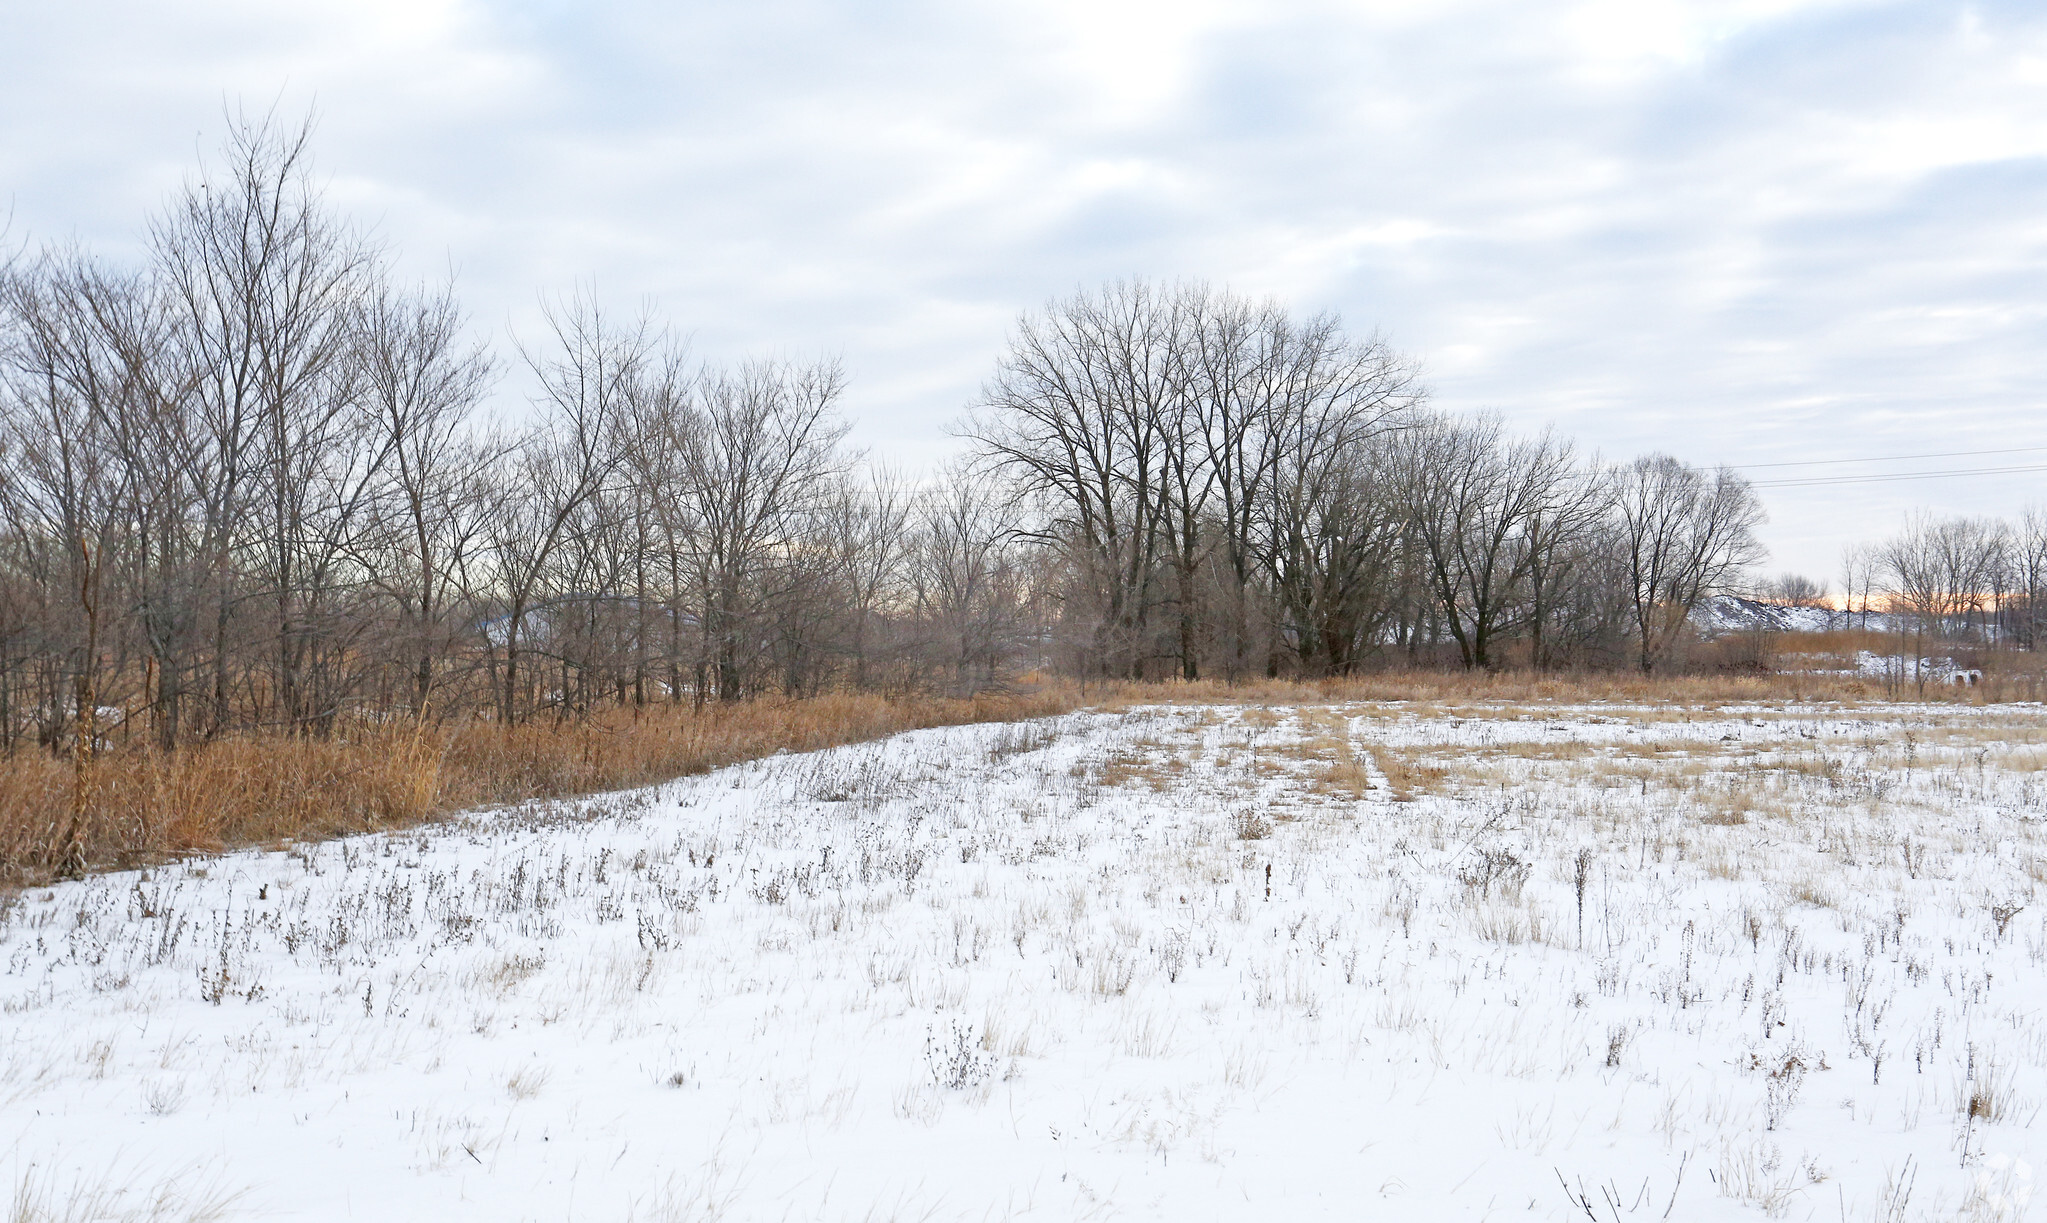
(1884, 478)
(1894, 458)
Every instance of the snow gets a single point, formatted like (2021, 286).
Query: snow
(1901, 668)
(1473, 962)
(1729, 613)
(1732, 614)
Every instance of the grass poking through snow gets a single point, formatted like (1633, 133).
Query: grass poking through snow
(1354, 960)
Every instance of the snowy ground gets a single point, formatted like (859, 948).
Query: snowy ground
(1184, 964)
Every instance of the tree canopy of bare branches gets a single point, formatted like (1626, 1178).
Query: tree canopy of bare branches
(255, 483)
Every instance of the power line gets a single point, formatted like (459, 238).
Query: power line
(1894, 458)
(1886, 477)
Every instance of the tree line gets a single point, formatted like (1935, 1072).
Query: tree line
(1980, 580)
(1231, 490)
(252, 483)
(249, 485)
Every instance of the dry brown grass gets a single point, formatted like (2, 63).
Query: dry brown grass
(144, 805)
(1123, 769)
(1347, 775)
(1731, 813)
(1408, 773)
(1336, 767)
(1520, 688)
(2008, 675)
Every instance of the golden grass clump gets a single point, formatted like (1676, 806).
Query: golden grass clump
(1346, 776)
(1406, 775)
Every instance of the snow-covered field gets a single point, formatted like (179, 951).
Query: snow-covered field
(1347, 963)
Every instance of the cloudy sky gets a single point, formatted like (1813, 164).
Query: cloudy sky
(1748, 231)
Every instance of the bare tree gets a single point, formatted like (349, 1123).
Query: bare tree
(1165, 427)
(867, 529)
(1326, 526)
(245, 485)
(65, 489)
(1075, 411)
(967, 582)
(265, 278)
(1565, 539)
(1793, 590)
(586, 381)
(421, 382)
(2029, 577)
(758, 452)
(1860, 569)
(1938, 573)
(1687, 534)
(1479, 503)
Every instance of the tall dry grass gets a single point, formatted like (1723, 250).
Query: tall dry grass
(1520, 687)
(143, 805)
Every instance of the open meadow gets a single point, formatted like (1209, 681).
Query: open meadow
(1375, 960)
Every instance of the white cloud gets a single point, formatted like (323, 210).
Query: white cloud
(1742, 231)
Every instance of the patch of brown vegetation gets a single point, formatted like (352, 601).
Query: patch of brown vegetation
(1408, 773)
(143, 805)
(1528, 690)
(1731, 814)
(1337, 767)
(1347, 775)
(2009, 675)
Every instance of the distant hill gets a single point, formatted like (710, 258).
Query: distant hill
(1731, 614)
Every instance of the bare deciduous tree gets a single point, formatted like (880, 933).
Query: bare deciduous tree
(421, 381)
(1939, 574)
(1793, 590)
(1478, 503)
(1687, 534)
(759, 453)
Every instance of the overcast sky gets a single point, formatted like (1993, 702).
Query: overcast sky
(1746, 232)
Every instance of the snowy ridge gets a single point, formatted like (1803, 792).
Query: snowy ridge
(1732, 614)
